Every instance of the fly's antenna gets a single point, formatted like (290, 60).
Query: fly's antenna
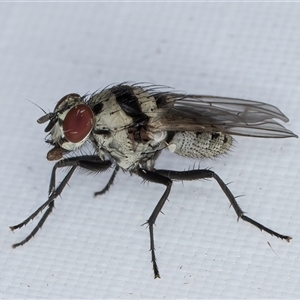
(46, 117)
(37, 106)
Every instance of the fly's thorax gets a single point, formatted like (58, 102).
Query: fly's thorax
(127, 153)
(126, 148)
(121, 129)
(200, 144)
(123, 106)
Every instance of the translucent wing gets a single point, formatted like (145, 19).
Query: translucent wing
(232, 116)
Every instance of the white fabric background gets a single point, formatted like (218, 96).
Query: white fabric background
(96, 248)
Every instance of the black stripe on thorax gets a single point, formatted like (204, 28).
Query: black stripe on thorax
(130, 104)
(161, 100)
(97, 108)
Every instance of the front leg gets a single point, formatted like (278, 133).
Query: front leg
(88, 162)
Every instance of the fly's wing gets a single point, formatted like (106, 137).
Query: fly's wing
(182, 112)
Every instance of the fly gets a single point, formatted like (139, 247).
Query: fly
(128, 127)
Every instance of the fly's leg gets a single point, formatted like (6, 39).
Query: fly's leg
(90, 163)
(110, 182)
(161, 179)
(49, 203)
(202, 174)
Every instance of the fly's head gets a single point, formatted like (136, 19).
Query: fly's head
(70, 125)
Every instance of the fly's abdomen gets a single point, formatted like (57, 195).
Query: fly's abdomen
(200, 144)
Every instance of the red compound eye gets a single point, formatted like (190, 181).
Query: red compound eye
(78, 123)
